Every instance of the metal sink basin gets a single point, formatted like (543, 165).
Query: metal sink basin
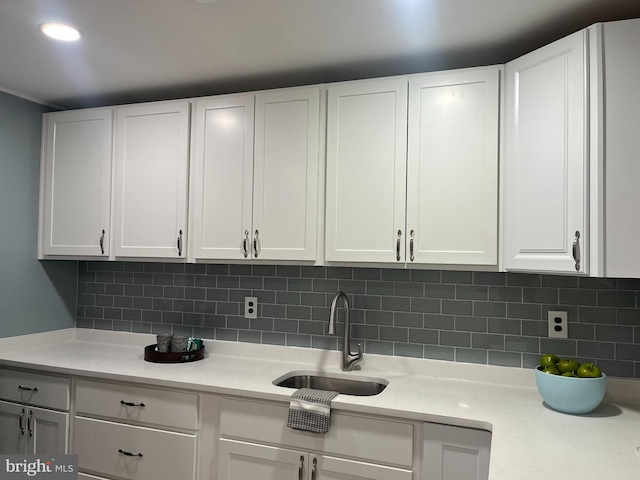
(346, 385)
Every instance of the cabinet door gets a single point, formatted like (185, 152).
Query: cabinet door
(452, 177)
(13, 425)
(243, 460)
(454, 453)
(546, 159)
(32, 430)
(152, 145)
(47, 431)
(332, 468)
(285, 202)
(366, 171)
(77, 183)
(222, 177)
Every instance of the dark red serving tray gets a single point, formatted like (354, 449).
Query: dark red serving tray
(152, 355)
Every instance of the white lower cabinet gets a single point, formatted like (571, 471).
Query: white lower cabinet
(255, 442)
(455, 453)
(30, 430)
(29, 418)
(240, 459)
(145, 433)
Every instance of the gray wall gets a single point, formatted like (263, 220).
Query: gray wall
(34, 296)
(477, 317)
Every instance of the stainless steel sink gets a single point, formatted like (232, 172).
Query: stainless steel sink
(347, 385)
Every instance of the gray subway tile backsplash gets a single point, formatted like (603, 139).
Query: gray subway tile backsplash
(478, 317)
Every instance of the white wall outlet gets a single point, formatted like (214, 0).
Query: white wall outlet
(250, 307)
(558, 324)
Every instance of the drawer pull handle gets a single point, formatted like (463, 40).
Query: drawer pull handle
(131, 404)
(21, 422)
(314, 469)
(28, 389)
(180, 243)
(30, 423)
(129, 454)
(301, 468)
(398, 245)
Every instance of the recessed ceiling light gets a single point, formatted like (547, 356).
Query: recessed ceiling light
(206, 1)
(60, 31)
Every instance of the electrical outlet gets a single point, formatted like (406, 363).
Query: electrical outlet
(250, 307)
(558, 324)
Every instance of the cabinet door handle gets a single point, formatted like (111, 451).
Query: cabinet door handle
(129, 454)
(30, 422)
(27, 389)
(21, 422)
(314, 468)
(398, 245)
(180, 243)
(131, 404)
(301, 468)
(255, 244)
(411, 245)
(576, 249)
(102, 242)
(245, 244)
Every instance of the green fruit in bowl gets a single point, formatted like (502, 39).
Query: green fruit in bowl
(589, 370)
(569, 374)
(549, 360)
(568, 365)
(552, 370)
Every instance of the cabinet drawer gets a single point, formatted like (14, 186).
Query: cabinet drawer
(33, 388)
(163, 454)
(161, 407)
(362, 437)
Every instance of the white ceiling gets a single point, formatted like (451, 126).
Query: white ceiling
(140, 50)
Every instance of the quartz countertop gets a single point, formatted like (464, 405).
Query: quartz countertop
(529, 440)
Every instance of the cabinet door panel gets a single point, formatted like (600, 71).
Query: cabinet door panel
(452, 191)
(545, 170)
(366, 171)
(332, 468)
(286, 173)
(222, 177)
(242, 460)
(49, 431)
(13, 440)
(152, 146)
(77, 182)
(453, 453)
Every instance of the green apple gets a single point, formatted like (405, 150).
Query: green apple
(549, 360)
(552, 370)
(569, 374)
(568, 365)
(589, 370)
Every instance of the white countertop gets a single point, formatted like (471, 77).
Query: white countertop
(529, 440)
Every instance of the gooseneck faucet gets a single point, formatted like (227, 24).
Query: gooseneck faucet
(349, 360)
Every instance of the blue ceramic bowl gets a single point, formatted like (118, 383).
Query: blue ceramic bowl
(571, 394)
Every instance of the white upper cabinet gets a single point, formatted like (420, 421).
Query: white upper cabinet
(286, 172)
(76, 176)
(452, 168)
(435, 202)
(366, 171)
(255, 194)
(151, 156)
(222, 177)
(546, 159)
(617, 143)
